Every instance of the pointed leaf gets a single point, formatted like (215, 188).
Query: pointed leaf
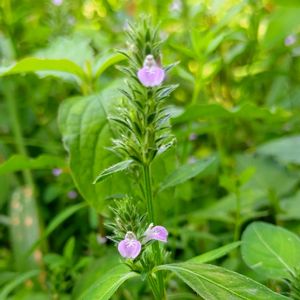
(214, 254)
(216, 283)
(186, 172)
(34, 64)
(107, 61)
(106, 285)
(121, 166)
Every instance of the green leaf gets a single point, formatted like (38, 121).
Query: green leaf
(186, 172)
(121, 166)
(214, 254)
(107, 285)
(290, 207)
(216, 283)
(285, 149)
(9, 287)
(34, 64)
(107, 61)
(271, 250)
(20, 162)
(86, 136)
(60, 218)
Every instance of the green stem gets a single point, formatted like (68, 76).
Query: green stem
(154, 288)
(152, 219)
(16, 128)
(148, 193)
(238, 215)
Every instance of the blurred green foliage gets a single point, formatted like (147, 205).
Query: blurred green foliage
(237, 105)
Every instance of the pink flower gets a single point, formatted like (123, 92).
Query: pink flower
(151, 74)
(158, 233)
(130, 247)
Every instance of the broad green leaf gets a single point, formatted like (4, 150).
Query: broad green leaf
(87, 135)
(285, 149)
(20, 162)
(214, 254)
(186, 172)
(24, 228)
(34, 64)
(216, 283)
(13, 284)
(106, 285)
(121, 166)
(59, 219)
(107, 61)
(271, 250)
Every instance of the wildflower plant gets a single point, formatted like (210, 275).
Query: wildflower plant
(144, 132)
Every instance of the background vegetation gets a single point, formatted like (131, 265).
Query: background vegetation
(235, 114)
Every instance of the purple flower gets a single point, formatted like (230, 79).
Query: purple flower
(158, 233)
(56, 172)
(72, 194)
(290, 40)
(130, 247)
(151, 74)
(57, 2)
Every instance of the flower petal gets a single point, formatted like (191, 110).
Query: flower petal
(129, 248)
(152, 76)
(158, 233)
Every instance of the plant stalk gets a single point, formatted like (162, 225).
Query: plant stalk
(152, 219)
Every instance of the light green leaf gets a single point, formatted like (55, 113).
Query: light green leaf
(121, 166)
(188, 171)
(216, 283)
(290, 207)
(107, 61)
(20, 162)
(86, 136)
(285, 149)
(107, 285)
(10, 286)
(214, 254)
(271, 250)
(34, 64)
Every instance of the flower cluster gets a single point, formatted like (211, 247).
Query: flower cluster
(131, 247)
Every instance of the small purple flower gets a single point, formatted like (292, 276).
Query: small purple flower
(151, 74)
(290, 40)
(158, 233)
(56, 172)
(72, 194)
(130, 247)
(57, 2)
(193, 137)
